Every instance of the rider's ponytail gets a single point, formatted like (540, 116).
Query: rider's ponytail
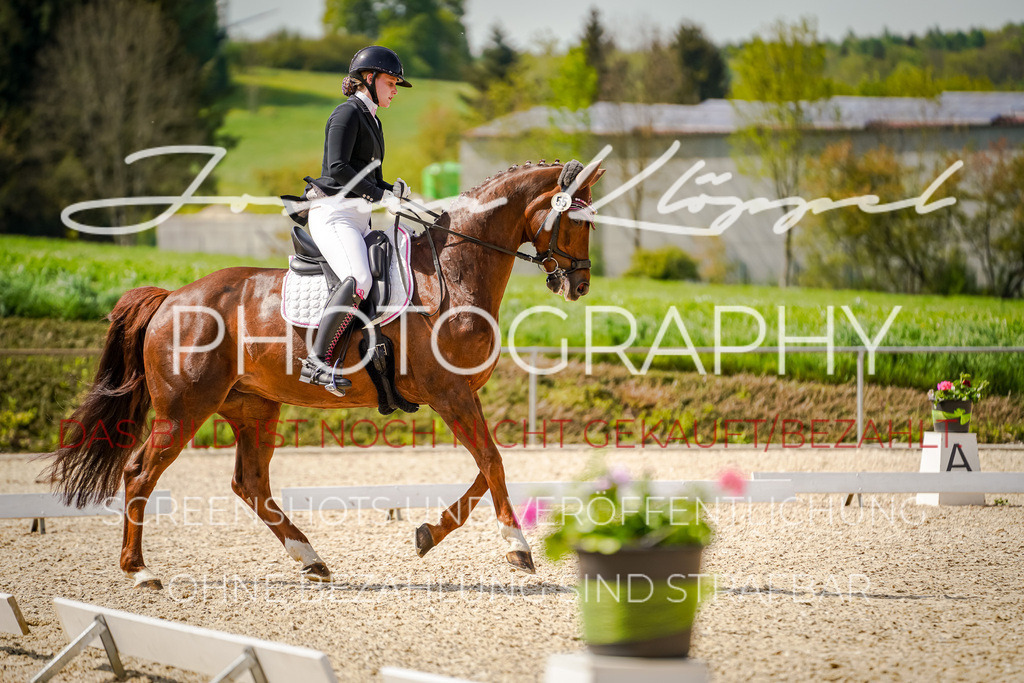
(349, 86)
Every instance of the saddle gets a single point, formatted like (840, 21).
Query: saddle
(308, 261)
(303, 300)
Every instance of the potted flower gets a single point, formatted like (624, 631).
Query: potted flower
(952, 403)
(639, 565)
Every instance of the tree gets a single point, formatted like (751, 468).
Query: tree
(119, 63)
(203, 40)
(644, 78)
(781, 74)
(352, 17)
(28, 30)
(598, 47)
(704, 73)
(25, 27)
(497, 59)
(496, 77)
(897, 251)
(429, 35)
(995, 229)
(574, 82)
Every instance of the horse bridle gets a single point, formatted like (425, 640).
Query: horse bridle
(560, 203)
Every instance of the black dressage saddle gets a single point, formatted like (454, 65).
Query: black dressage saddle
(309, 261)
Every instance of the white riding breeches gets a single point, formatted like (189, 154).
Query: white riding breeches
(338, 231)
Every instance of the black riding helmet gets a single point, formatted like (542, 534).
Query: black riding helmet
(378, 59)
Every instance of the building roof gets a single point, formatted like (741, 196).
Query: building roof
(723, 116)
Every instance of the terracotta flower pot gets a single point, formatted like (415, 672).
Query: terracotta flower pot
(639, 602)
(952, 416)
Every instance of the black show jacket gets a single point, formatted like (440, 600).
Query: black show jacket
(353, 139)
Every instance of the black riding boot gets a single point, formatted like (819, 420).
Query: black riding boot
(337, 322)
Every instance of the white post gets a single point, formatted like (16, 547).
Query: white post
(860, 395)
(533, 399)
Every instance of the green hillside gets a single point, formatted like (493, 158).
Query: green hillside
(277, 117)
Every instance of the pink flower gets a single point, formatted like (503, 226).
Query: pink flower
(945, 386)
(732, 482)
(530, 513)
(619, 475)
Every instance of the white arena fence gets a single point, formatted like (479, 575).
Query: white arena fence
(765, 487)
(11, 619)
(39, 506)
(404, 496)
(224, 656)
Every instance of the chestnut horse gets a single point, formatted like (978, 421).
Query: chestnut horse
(245, 369)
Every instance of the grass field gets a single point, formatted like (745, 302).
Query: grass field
(78, 280)
(81, 281)
(55, 293)
(278, 118)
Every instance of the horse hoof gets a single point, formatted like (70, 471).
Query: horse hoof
(424, 541)
(317, 571)
(521, 560)
(145, 579)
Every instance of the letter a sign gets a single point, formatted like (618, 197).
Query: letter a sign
(957, 450)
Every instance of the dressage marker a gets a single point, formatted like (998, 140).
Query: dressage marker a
(222, 655)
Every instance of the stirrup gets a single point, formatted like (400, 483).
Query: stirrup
(315, 371)
(333, 386)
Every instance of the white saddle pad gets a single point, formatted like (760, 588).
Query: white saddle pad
(303, 297)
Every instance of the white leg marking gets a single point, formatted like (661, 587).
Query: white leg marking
(142, 576)
(301, 552)
(514, 537)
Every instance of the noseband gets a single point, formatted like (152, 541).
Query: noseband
(561, 203)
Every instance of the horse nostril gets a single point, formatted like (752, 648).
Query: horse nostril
(582, 288)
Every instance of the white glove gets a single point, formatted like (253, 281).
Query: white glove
(402, 189)
(390, 202)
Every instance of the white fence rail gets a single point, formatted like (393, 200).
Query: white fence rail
(214, 653)
(899, 482)
(390, 497)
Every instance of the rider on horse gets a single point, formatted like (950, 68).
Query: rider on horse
(354, 140)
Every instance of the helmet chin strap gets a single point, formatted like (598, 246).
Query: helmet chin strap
(372, 88)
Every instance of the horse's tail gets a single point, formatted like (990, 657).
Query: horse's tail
(105, 429)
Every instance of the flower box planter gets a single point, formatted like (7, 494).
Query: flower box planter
(639, 564)
(952, 416)
(639, 602)
(952, 403)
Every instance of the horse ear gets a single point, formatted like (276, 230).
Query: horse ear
(591, 173)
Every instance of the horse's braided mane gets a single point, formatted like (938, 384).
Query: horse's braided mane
(511, 169)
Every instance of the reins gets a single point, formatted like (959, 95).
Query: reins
(535, 259)
(561, 203)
